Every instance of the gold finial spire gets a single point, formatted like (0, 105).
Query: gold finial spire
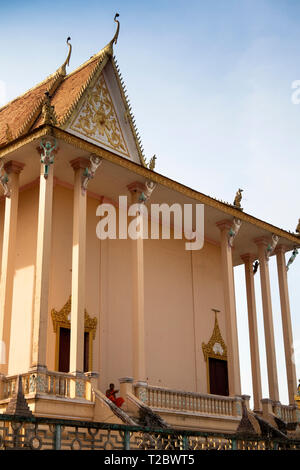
(115, 38)
(62, 69)
(109, 47)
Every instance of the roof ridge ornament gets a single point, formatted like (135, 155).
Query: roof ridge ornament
(62, 69)
(48, 111)
(109, 47)
(115, 38)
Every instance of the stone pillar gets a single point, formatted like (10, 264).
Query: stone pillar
(286, 323)
(262, 244)
(267, 407)
(13, 169)
(78, 268)
(42, 271)
(230, 311)
(126, 387)
(138, 321)
(253, 334)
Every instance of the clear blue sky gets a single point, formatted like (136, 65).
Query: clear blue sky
(210, 84)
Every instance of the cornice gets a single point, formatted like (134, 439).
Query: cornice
(144, 172)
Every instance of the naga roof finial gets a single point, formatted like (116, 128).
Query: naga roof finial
(109, 47)
(62, 69)
(115, 38)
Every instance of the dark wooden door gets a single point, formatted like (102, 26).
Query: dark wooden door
(64, 350)
(86, 351)
(218, 377)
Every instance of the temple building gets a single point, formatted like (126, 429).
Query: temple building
(79, 312)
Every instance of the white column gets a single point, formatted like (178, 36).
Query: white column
(286, 323)
(13, 169)
(42, 273)
(253, 333)
(230, 311)
(262, 244)
(78, 269)
(138, 314)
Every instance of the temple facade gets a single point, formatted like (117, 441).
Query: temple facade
(79, 311)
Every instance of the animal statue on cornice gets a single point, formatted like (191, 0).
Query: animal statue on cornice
(4, 179)
(234, 231)
(298, 228)
(238, 198)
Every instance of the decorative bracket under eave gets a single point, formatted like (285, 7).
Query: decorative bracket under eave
(271, 246)
(4, 179)
(48, 145)
(236, 225)
(90, 171)
(146, 194)
(292, 258)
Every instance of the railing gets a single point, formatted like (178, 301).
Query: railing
(157, 397)
(284, 412)
(49, 383)
(52, 434)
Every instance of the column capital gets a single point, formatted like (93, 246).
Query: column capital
(141, 192)
(79, 163)
(126, 380)
(249, 257)
(225, 224)
(281, 249)
(136, 187)
(261, 241)
(14, 167)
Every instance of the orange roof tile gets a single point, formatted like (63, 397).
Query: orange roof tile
(20, 113)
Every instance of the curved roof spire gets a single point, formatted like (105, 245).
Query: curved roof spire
(62, 69)
(115, 38)
(109, 47)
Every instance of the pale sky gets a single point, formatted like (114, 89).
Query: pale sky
(210, 83)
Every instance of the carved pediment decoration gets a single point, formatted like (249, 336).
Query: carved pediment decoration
(62, 319)
(216, 347)
(97, 119)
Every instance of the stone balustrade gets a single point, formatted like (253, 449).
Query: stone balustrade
(162, 398)
(287, 413)
(49, 383)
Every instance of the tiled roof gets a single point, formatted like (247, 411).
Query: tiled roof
(26, 113)
(17, 117)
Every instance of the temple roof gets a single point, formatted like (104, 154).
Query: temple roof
(61, 93)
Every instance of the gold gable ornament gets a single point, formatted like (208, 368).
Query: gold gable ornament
(97, 119)
(216, 347)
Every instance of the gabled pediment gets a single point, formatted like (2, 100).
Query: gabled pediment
(97, 119)
(102, 117)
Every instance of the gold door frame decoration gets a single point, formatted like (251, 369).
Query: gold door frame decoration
(61, 319)
(215, 348)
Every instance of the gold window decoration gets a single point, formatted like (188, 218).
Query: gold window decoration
(62, 319)
(215, 348)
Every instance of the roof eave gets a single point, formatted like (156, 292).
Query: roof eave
(227, 209)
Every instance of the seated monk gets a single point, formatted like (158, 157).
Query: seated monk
(111, 394)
